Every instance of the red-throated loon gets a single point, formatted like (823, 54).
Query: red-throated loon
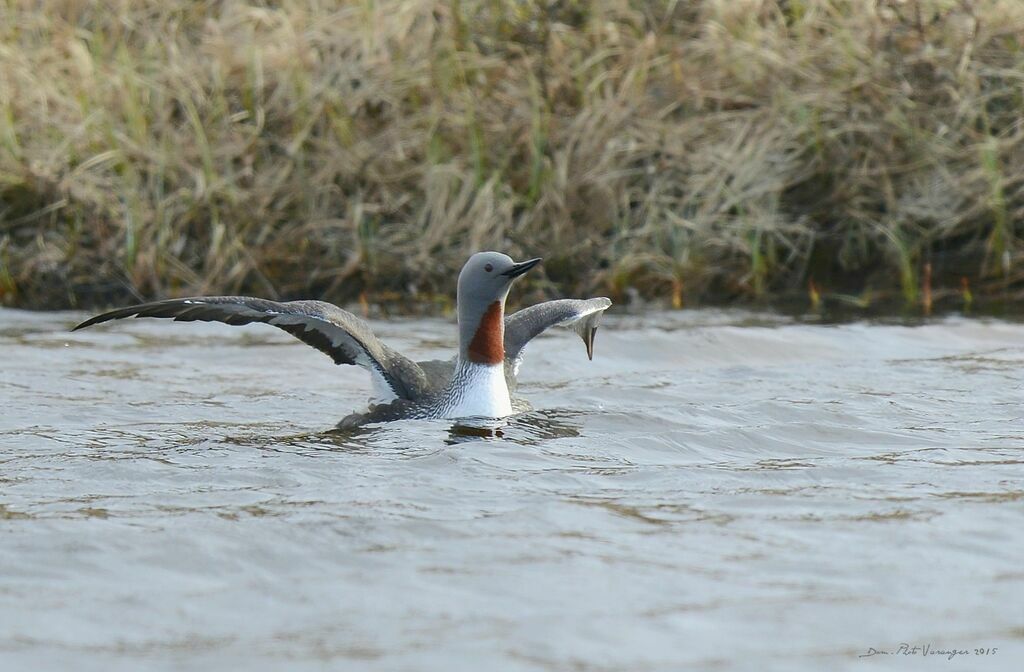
(478, 382)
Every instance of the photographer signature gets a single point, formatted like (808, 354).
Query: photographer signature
(925, 650)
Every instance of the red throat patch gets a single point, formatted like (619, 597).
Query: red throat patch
(488, 344)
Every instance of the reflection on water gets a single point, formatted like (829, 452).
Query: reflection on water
(526, 429)
(715, 490)
(468, 432)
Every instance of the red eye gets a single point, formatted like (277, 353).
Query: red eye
(488, 268)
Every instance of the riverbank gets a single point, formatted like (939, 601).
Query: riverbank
(707, 153)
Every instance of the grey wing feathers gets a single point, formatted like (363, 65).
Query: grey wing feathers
(331, 330)
(522, 326)
(438, 373)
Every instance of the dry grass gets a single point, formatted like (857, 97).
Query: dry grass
(702, 150)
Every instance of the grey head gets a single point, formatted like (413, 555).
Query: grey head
(483, 286)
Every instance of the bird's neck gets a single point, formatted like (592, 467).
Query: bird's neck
(486, 344)
(478, 387)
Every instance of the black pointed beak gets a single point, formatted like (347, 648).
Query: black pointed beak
(521, 267)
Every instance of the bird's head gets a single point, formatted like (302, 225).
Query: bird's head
(483, 286)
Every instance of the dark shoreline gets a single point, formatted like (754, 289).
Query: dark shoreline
(689, 153)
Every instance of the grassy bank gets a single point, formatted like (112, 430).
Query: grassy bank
(690, 151)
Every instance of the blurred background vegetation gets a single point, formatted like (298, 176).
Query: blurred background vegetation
(678, 151)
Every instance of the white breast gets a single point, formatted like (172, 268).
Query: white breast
(480, 391)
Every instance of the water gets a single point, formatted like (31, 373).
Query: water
(715, 490)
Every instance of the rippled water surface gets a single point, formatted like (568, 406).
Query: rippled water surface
(714, 491)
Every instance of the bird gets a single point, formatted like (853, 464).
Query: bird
(478, 382)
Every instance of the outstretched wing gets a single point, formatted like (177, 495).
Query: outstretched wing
(580, 314)
(329, 329)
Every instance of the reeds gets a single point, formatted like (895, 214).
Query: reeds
(688, 151)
